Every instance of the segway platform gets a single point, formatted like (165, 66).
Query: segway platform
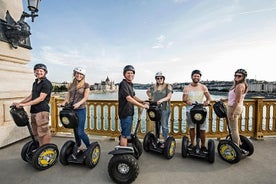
(228, 150)
(40, 157)
(69, 152)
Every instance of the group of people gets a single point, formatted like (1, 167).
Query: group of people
(39, 98)
(160, 92)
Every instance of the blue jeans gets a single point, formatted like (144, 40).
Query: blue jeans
(126, 125)
(165, 123)
(82, 136)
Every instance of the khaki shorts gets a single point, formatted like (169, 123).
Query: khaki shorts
(40, 123)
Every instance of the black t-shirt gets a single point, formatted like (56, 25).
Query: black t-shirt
(44, 86)
(125, 107)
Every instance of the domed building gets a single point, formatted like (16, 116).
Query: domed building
(105, 86)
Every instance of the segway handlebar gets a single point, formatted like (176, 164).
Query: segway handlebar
(200, 104)
(67, 106)
(154, 103)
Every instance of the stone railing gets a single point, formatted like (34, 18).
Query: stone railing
(258, 119)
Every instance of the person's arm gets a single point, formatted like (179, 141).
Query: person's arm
(207, 96)
(136, 101)
(28, 98)
(185, 96)
(66, 100)
(29, 102)
(149, 94)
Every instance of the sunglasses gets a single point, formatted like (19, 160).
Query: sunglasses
(239, 76)
(158, 78)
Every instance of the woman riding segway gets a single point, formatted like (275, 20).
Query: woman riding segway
(160, 95)
(73, 116)
(236, 145)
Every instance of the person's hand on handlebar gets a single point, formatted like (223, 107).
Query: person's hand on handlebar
(146, 105)
(206, 103)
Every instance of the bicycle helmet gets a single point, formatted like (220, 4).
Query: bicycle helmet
(196, 72)
(242, 71)
(159, 74)
(129, 68)
(79, 70)
(220, 109)
(41, 66)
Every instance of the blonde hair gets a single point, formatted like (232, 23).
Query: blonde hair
(77, 84)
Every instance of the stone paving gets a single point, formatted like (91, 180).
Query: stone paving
(260, 168)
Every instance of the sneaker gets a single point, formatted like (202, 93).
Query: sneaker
(204, 149)
(162, 145)
(191, 146)
(74, 156)
(243, 151)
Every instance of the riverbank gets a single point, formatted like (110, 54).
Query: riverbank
(111, 95)
(248, 95)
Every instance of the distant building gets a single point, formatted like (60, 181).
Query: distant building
(105, 86)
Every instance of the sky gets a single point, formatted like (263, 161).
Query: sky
(172, 36)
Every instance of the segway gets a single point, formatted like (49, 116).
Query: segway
(40, 158)
(228, 150)
(198, 115)
(69, 153)
(123, 166)
(152, 141)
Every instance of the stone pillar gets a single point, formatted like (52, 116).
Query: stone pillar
(15, 77)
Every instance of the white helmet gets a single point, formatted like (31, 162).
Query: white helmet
(79, 70)
(159, 74)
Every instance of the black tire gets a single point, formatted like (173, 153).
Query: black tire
(170, 146)
(66, 151)
(28, 148)
(123, 169)
(45, 157)
(184, 147)
(93, 154)
(211, 151)
(148, 140)
(247, 145)
(138, 147)
(229, 151)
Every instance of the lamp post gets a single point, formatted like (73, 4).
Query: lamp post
(17, 33)
(33, 7)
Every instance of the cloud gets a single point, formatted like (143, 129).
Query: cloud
(258, 11)
(161, 43)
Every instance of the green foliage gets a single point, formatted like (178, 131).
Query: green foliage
(61, 88)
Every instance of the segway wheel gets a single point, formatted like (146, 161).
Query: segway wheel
(211, 151)
(45, 156)
(123, 169)
(247, 145)
(138, 148)
(229, 151)
(170, 146)
(148, 141)
(184, 147)
(93, 155)
(28, 148)
(66, 151)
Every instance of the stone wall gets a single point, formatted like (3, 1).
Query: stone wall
(15, 77)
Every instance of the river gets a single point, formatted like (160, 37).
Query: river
(141, 93)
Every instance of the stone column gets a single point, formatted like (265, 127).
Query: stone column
(15, 78)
